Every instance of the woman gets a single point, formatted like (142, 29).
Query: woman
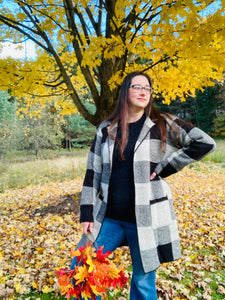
(124, 196)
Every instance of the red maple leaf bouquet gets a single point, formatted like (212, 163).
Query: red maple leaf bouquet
(94, 274)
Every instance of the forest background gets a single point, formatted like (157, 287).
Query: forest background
(51, 104)
(83, 51)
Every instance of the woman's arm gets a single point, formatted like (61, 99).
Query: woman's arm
(192, 144)
(92, 181)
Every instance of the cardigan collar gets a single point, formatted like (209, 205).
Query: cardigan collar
(148, 124)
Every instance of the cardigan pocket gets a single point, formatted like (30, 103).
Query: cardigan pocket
(158, 200)
(161, 212)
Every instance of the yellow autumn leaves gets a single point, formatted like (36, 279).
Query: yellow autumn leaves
(200, 209)
(31, 247)
(180, 44)
(34, 246)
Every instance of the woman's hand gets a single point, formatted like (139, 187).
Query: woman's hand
(87, 227)
(153, 175)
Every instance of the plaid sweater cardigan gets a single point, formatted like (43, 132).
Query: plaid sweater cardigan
(155, 217)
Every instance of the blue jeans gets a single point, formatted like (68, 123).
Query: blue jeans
(112, 234)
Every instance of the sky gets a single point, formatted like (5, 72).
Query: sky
(27, 50)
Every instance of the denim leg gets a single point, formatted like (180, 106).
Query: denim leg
(83, 242)
(143, 285)
(110, 236)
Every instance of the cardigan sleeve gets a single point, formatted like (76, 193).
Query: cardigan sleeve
(92, 179)
(191, 143)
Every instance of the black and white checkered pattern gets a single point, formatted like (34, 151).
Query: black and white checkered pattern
(155, 217)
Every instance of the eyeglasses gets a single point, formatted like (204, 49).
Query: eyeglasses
(139, 88)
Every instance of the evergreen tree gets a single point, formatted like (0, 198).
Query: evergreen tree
(219, 121)
(206, 108)
(78, 131)
(7, 121)
(7, 108)
(200, 110)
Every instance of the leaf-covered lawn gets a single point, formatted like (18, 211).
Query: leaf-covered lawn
(39, 224)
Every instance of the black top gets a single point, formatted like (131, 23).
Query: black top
(121, 198)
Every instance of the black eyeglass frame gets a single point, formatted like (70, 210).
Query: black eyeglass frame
(139, 88)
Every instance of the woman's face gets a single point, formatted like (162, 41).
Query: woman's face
(138, 96)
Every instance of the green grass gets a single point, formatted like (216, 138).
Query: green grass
(212, 161)
(217, 156)
(39, 296)
(23, 169)
(19, 172)
(54, 296)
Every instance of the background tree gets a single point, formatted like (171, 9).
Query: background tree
(25, 131)
(206, 104)
(78, 131)
(219, 121)
(179, 43)
(7, 108)
(201, 110)
(7, 121)
(219, 125)
(35, 134)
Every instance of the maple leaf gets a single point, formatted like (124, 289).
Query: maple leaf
(76, 253)
(89, 262)
(81, 273)
(95, 289)
(121, 281)
(101, 256)
(93, 276)
(63, 271)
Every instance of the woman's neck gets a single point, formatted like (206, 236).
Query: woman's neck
(133, 117)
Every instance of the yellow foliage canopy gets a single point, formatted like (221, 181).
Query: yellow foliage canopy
(85, 48)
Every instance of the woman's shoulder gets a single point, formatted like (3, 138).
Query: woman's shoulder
(175, 120)
(103, 124)
(103, 127)
(169, 117)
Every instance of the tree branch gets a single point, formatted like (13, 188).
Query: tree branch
(110, 15)
(40, 31)
(99, 17)
(85, 70)
(65, 76)
(13, 24)
(83, 24)
(44, 96)
(44, 14)
(94, 24)
(54, 85)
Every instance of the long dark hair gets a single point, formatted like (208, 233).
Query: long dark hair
(120, 115)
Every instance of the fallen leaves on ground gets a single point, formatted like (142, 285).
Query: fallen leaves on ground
(34, 243)
(39, 224)
(199, 199)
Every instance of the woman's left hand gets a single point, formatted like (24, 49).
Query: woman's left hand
(153, 175)
(87, 227)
